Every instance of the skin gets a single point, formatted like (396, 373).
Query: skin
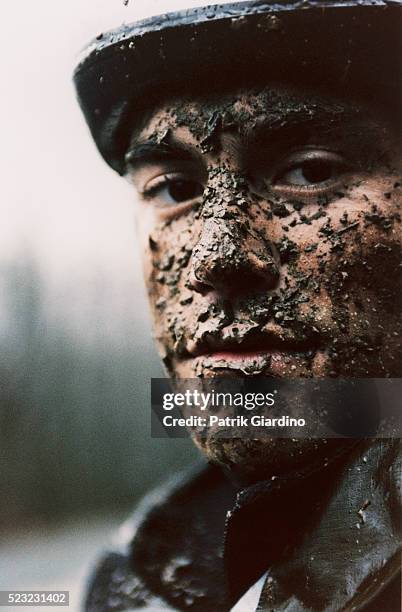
(271, 239)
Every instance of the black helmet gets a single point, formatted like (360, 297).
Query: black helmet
(351, 46)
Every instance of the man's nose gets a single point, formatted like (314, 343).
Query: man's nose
(232, 259)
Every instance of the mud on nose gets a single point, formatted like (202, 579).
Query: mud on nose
(226, 261)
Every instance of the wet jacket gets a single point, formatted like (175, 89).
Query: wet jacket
(327, 540)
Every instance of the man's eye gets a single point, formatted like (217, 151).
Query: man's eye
(310, 170)
(169, 190)
(309, 173)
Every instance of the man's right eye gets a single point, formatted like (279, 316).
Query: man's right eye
(171, 190)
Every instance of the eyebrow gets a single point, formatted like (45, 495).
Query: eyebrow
(266, 134)
(295, 127)
(151, 152)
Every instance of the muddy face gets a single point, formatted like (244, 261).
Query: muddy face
(271, 234)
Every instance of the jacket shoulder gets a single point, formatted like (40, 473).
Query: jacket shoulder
(114, 583)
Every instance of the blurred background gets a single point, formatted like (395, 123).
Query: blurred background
(76, 353)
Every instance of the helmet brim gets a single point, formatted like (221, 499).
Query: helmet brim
(345, 48)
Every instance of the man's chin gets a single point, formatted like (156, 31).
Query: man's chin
(270, 364)
(248, 461)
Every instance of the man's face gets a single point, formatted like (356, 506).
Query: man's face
(271, 236)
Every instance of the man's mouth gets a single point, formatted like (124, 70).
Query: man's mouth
(262, 351)
(230, 344)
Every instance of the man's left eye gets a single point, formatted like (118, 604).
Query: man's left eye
(171, 190)
(309, 170)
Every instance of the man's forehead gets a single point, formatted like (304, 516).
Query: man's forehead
(272, 107)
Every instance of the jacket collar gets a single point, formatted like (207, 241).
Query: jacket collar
(330, 538)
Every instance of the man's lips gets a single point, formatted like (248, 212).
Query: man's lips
(238, 355)
(252, 347)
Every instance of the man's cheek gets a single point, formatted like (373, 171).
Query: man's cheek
(366, 295)
(168, 252)
(354, 297)
(165, 259)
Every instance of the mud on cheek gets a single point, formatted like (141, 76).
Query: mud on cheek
(172, 303)
(365, 289)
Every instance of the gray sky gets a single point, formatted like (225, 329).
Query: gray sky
(58, 198)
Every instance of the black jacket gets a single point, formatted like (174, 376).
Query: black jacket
(330, 541)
